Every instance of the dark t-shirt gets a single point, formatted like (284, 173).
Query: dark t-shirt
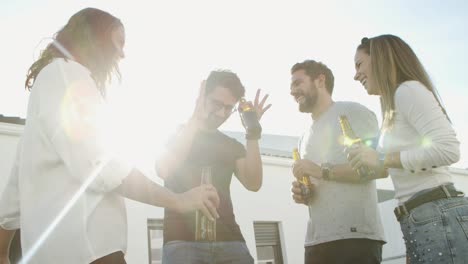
(220, 152)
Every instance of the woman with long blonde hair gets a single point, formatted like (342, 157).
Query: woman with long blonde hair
(416, 146)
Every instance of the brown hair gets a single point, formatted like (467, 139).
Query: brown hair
(88, 38)
(313, 69)
(225, 79)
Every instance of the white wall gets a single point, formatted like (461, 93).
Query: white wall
(9, 136)
(137, 216)
(272, 203)
(394, 251)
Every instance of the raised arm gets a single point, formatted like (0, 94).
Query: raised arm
(177, 152)
(249, 170)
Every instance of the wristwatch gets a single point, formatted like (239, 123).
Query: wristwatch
(326, 169)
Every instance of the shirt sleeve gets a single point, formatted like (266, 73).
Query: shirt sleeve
(364, 124)
(438, 142)
(9, 198)
(75, 123)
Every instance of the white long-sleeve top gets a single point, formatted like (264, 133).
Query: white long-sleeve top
(60, 153)
(425, 139)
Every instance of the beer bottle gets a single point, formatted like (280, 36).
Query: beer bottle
(305, 183)
(205, 229)
(350, 140)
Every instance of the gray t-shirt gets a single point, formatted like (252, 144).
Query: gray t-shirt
(340, 210)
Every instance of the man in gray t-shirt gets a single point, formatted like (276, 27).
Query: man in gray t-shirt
(344, 224)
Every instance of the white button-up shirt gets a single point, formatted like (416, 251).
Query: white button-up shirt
(425, 139)
(61, 190)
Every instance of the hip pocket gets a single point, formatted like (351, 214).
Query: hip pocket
(463, 220)
(462, 217)
(426, 214)
(175, 252)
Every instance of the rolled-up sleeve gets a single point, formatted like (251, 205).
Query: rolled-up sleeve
(9, 199)
(76, 126)
(438, 142)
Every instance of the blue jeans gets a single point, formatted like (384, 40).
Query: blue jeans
(437, 232)
(185, 252)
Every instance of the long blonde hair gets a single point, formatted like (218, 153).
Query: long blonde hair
(394, 62)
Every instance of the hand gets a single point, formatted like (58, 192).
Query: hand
(304, 167)
(204, 198)
(259, 107)
(363, 156)
(200, 113)
(251, 119)
(297, 193)
(4, 260)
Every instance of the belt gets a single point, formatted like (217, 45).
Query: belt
(435, 194)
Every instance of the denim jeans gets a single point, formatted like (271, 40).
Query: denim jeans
(437, 232)
(185, 252)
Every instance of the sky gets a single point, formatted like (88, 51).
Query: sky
(171, 46)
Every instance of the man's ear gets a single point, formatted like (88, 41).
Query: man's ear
(320, 81)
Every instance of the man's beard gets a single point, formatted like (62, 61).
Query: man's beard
(308, 104)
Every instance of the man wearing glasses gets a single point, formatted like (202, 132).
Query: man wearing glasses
(200, 144)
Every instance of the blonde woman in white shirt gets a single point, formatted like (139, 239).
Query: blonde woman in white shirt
(66, 189)
(417, 144)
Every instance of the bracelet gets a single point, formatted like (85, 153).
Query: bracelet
(391, 160)
(382, 157)
(326, 169)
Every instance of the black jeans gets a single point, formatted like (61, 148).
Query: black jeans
(346, 251)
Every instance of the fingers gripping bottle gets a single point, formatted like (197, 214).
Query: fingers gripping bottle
(306, 184)
(351, 141)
